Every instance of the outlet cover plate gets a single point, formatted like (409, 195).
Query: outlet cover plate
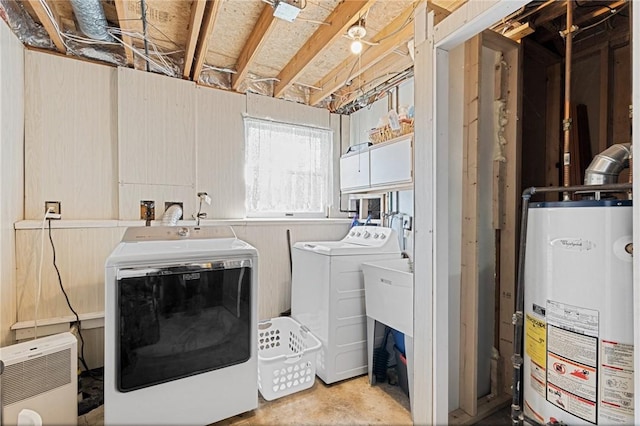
(55, 205)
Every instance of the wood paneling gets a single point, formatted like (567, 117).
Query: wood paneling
(220, 151)
(80, 257)
(286, 111)
(70, 137)
(156, 129)
(11, 171)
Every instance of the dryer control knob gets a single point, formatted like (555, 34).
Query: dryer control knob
(375, 236)
(357, 234)
(382, 236)
(352, 233)
(183, 232)
(366, 234)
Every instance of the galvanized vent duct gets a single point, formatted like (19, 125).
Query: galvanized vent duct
(607, 165)
(91, 18)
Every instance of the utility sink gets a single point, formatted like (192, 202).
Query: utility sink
(388, 290)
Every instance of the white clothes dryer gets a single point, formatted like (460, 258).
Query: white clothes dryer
(180, 327)
(327, 296)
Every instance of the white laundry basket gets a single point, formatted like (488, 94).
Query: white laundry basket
(286, 357)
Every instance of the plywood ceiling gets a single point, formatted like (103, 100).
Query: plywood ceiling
(239, 44)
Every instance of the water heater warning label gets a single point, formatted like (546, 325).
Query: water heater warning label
(536, 340)
(616, 390)
(572, 359)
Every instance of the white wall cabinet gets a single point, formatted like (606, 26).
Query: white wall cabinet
(392, 162)
(384, 166)
(354, 171)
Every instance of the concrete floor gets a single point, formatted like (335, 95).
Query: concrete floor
(350, 402)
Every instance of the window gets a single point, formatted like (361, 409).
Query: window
(287, 169)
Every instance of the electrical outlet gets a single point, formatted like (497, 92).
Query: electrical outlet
(147, 210)
(53, 209)
(406, 223)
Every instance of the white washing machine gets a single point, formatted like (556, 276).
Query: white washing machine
(327, 296)
(180, 327)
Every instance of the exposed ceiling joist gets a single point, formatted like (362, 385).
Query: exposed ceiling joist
(260, 32)
(399, 31)
(195, 23)
(382, 71)
(599, 12)
(123, 22)
(550, 13)
(211, 14)
(341, 18)
(583, 18)
(50, 24)
(520, 32)
(449, 5)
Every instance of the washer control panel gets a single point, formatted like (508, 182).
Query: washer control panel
(368, 235)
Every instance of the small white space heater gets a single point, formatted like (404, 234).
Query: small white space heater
(41, 375)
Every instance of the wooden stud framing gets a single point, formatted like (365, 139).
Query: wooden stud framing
(197, 12)
(341, 18)
(508, 251)
(51, 26)
(123, 21)
(604, 99)
(211, 14)
(469, 285)
(260, 32)
(553, 126)
(392, 36)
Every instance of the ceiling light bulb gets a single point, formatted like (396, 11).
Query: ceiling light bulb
(356, 46)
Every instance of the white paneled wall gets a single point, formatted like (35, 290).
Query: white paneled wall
(70, 137)
(274, 271)
(81, 253)
(286, 111)
(220, 151)
(121, 136)
(156, 141)
(11, 170)
(80, 257)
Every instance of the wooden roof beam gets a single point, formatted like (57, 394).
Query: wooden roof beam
(211, 15)
(399, 31)
(581, 19)
(520, 32)
(195, 23)
(261, 31)
(51, 25)
(345, 14)
(123, 22)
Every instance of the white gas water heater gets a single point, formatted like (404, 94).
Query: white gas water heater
(576, 318)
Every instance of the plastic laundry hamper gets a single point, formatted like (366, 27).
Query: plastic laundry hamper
(286, 357)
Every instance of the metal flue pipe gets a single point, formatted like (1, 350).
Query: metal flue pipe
(566, 124)
(607, 165)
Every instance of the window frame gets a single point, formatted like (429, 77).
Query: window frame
(325, 212)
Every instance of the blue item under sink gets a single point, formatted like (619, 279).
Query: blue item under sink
(398, 338)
